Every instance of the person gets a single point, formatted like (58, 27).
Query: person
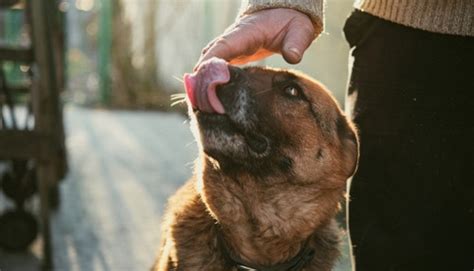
(411, 95)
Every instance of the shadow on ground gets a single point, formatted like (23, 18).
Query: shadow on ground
(123, 167)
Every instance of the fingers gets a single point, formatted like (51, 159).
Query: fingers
(299, 37)
(261, 34)
(209, 45)
(233, 46)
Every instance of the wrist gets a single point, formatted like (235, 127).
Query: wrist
(311, 8)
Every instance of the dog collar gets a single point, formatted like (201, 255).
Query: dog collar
(296, 263)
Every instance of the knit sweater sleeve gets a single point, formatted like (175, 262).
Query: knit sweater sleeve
(312, 8)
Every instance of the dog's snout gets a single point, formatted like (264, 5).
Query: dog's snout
(236, 73)
(229, 91)
(237, 100)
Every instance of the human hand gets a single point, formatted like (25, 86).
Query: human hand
(261, 34)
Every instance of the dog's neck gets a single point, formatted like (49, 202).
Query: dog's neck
(265, 221)
(304, 256)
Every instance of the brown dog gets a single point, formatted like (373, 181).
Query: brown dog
(275, 154)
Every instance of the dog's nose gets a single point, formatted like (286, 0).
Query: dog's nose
(232, 93)
(236, 74)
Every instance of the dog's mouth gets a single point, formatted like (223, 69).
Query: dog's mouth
(201, 86)
(223, 110)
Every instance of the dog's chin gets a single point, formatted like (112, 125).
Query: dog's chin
(227, 141)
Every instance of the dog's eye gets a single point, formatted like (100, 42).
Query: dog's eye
(292, 91)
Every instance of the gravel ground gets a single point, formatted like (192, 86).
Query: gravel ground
(123, 167)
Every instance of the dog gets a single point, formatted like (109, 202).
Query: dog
(275, 154)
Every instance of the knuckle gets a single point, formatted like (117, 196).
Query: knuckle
(223, 43)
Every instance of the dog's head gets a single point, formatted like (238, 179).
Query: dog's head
(267, 121)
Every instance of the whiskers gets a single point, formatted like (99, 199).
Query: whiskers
(178, 98)
(260, 92)
(179, 79)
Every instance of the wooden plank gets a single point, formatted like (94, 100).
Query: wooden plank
(8, 3)
(25, 144)
(18, 54)
(19, 89)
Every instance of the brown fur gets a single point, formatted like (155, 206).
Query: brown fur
(265, 204)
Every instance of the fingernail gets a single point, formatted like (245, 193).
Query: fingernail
(292, 55)
(295, 51)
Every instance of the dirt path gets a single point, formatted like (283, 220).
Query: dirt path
(123, 168)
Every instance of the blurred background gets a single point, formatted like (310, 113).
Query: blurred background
(119, 148)
(147, 45)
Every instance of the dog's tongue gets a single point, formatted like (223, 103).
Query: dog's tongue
(201, 85)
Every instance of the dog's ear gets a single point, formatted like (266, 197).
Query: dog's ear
(347, 135)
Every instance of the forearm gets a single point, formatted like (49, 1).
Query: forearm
(312, 8)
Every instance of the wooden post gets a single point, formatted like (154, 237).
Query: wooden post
(47, 110)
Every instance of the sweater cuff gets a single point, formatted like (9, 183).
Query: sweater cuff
(312, 8)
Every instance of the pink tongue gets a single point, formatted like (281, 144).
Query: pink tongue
(201, 85)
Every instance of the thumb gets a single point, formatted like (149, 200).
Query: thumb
(298, 38)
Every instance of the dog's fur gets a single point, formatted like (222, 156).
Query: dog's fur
(269, 178)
